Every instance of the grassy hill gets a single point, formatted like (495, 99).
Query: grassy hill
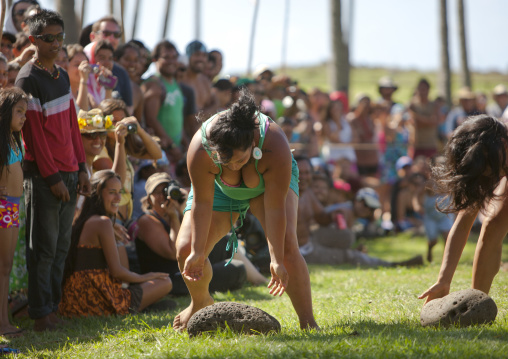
(364, 79)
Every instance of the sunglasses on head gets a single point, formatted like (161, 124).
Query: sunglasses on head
(95, 135)
(50, 37)
(106, 33)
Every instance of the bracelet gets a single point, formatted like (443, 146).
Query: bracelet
(82, 82)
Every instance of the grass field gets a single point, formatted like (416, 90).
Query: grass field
(365, 80)
(370, 313)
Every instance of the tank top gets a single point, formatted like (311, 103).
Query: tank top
(242, 192)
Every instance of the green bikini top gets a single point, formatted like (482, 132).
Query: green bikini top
(241, 192)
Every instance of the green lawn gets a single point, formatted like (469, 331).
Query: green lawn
(365, 80)
(363, 313)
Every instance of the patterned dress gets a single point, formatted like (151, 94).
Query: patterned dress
(92, 290)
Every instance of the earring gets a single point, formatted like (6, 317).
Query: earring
(257, 153)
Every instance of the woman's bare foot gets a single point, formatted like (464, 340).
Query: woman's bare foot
(10, 331)
(181, 320)
(310, 325)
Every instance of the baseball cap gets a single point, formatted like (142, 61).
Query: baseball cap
(156, 179)
(369, 196)
(403, 162)
(195, 46)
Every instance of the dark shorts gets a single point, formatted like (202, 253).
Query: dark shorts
(136, 295)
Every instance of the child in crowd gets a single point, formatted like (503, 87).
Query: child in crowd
(13, 106)
(93, 273)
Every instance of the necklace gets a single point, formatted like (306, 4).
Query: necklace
(14, 146)
(39, 63)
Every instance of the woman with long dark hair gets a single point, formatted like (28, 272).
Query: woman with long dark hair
(473, 177)
(240, 159)
(93, 273)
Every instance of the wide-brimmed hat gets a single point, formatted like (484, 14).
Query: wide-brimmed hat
(387, 82)
(156, 179)
(465, 93)
(500, 90)
(94, 121)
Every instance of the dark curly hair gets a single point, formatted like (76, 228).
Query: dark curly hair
(8, 99)
(475, 161)
(234, 129)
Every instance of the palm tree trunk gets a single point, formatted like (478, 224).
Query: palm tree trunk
(198, 20)
(135, 19)
(122, 8)
(2, 16)
(284, 45)
(83, 7)
(166, 19)
(252, 37)
(340, 62)
(465, 74)
(444, 73)
(66, 9)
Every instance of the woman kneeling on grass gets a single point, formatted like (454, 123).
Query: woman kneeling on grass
(240, 159)
(93, 274)
(474, 177)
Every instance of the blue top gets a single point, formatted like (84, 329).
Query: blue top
(13, 157)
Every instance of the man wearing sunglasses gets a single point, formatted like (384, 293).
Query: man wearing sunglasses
(54, 167)
(108, 29)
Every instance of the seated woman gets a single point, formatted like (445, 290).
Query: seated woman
(156, 237)
(93, 274)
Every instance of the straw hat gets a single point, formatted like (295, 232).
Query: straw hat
(94, 121)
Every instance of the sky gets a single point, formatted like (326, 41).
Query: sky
(383, 33)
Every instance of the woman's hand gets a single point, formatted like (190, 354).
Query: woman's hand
(84, 70)
(155, 275)
(193, 267)
(438, 290)
(172, 208)
(121, 132)
(279, 280)
(121, 234)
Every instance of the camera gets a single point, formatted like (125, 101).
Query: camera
(173, 191)
(132, 128)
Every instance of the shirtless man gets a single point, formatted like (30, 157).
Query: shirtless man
(196, 78)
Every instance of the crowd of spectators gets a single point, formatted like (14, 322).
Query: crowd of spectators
(364, 162)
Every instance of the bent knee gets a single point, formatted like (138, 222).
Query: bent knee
(183, 250)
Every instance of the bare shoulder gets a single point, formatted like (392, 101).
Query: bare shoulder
(276, 141)
(197, 156)
(147, 221)
(99, 222)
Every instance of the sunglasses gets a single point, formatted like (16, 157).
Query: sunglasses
(95, 135)
(9, 46)
(49, 38)
(20, 12)
(106, 33)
